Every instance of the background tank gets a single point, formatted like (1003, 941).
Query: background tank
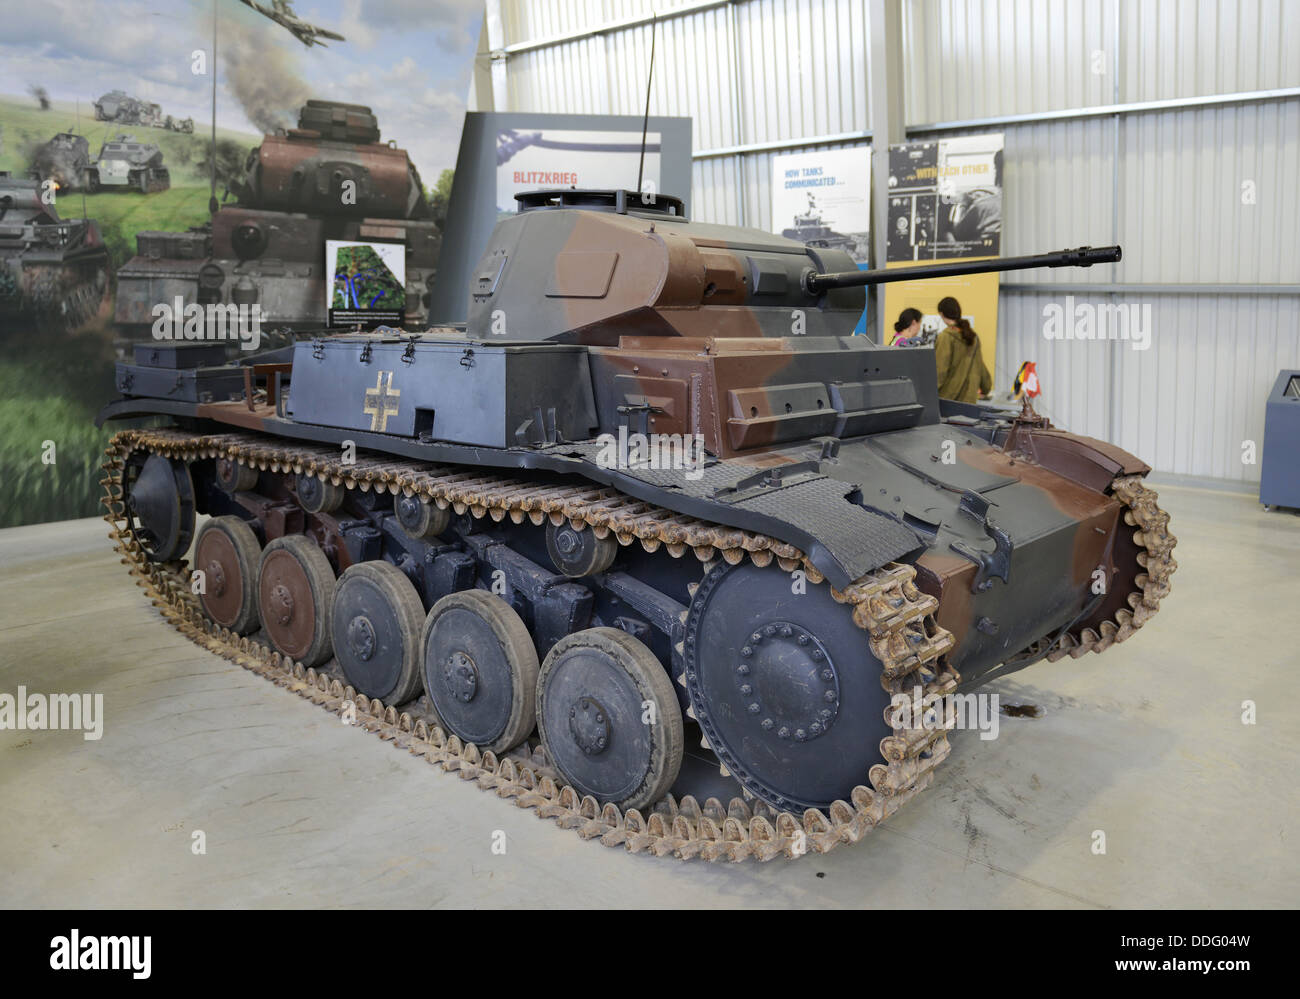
(125, 163)
(65, 159)
(809, 228)
(330, 178)
(54, 273)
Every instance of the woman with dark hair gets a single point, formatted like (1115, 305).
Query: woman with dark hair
(908, 325)
(963, 376)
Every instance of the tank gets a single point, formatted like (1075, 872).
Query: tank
(650, 544)
(54, 273)
(117, 106)
(810, 229)
(329, 179)
(126, 163)
(65, 159)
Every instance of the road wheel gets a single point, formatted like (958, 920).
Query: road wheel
(295, 594)
(609, 718)
(227, 555)
(480, 669)
(375, 630)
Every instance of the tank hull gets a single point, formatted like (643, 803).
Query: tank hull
(645, 498)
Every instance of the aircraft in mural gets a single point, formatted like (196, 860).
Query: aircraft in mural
(281, 12)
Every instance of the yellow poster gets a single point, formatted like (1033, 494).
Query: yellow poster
(977, 293)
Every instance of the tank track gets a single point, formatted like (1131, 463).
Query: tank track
(1152, 534)
(897, 617)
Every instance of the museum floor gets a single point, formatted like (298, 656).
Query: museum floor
(1145, 743)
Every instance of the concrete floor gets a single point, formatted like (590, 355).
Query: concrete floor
(1145, 743)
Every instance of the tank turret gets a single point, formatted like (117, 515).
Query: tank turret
(592, 266)
(333, 164)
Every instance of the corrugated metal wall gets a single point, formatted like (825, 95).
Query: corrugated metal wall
(1166, 184)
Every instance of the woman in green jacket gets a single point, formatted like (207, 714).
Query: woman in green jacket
(963, 376)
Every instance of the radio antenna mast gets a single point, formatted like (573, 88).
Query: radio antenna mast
(645, 122)
(81, 185)
(212, 153)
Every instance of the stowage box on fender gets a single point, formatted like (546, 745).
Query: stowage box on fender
(445, 388)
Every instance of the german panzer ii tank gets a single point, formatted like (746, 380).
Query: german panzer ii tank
(124, 162)
(329, 179)
(651, 496)
(54, 273)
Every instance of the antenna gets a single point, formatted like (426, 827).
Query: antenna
(645, 122)
(212, 152)
(82, 185)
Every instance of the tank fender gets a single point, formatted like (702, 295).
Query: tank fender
(1085, 460)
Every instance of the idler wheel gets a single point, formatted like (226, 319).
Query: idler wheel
(160, 504)
(318, 496)
(233, 477)
(579, 553)
(480, 669)
(609, 717)
(227, 553)
(419, 517)
(784, 685)
(295, 597)
(375, 631)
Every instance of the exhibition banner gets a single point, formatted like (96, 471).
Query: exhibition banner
(945, 203)
(538, 159)
(823, 199)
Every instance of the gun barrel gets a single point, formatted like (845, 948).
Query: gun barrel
(1083, 256)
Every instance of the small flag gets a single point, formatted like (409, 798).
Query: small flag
(1026, 381)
